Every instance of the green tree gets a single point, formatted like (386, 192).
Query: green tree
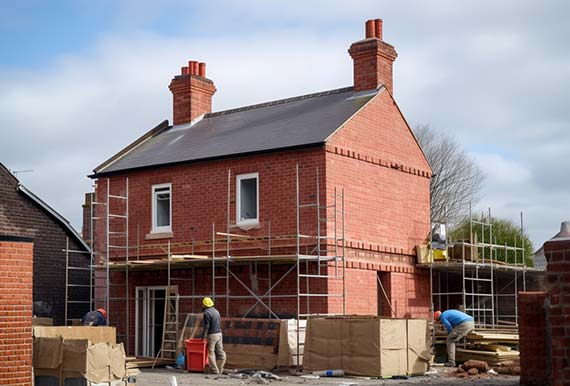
(503, 232)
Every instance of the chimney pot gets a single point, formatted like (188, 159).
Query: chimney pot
(191, 67)
(370, 28)
(202, 69)
(378, 29)
(184, 71)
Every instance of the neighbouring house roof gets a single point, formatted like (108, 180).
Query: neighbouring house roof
(48, 209)
(302, 121)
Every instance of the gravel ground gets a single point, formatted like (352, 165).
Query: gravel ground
(161, 377)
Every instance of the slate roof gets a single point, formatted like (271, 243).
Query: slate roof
(284, 124)
(43, 205)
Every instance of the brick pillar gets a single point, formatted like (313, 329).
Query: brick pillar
(534, 345)
(16, 282)
(557, 253)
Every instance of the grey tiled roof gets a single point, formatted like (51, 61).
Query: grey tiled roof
(288, 123)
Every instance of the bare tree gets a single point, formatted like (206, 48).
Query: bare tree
(457, 178)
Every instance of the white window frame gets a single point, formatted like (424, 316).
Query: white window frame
(238, 198)
(155, 228)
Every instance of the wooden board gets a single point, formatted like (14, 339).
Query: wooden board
(492, 358)
(492, 336)
(249, 356)
(489, 347)
(139, 362)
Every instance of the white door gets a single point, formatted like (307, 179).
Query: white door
(149, 320)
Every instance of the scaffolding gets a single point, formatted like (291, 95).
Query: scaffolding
(75, 287)
(314, 259)
(481, 276)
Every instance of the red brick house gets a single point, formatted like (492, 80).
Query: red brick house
(240, 183)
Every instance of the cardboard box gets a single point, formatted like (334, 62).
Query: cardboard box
(74, 360)
(42, 321)
(418, 348)
(363, 346)
(92, 334)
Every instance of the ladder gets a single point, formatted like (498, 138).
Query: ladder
(170, 325)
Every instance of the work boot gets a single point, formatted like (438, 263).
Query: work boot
(449, 364)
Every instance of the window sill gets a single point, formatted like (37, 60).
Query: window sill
(159, 235)
(247, 225)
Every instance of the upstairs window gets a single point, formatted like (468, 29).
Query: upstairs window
(161, 208)
(247, 198)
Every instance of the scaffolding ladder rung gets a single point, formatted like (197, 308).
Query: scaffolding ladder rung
(117, 216)
(79, 301)
(79, 285)
(119, 197)
(79, 268)
(98, 203)
(477, 279)
(118, 246)
(321, 295)
(307, 205)
(316, 276)
(220, 277)
(117, 233)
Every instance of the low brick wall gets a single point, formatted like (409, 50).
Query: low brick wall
(534, 344)
(16, 270)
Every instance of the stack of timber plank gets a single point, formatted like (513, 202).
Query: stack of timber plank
(492, 346)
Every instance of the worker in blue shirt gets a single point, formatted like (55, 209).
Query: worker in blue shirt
(458, 325)
(95, 318)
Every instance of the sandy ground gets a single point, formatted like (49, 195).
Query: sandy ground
(161, 377)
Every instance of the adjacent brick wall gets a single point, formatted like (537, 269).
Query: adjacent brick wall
(20, 216)
(16, 271)
(557, 253)
(534, 344)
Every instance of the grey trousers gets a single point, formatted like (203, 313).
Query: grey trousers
(459, 332)
(216, 351)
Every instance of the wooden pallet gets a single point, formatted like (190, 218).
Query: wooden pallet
(141, 362)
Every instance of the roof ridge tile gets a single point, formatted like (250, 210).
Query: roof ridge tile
(278, 102)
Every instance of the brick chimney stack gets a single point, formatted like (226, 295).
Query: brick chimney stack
(191, 93)
(373, 59)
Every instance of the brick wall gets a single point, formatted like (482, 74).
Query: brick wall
(376, 160)
(199, 198)
(534, 346)
(557, 253)
(20, 216)
(16, 270)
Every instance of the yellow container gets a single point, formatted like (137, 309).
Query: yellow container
(438, 254)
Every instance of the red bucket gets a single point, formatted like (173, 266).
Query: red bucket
(196, 354)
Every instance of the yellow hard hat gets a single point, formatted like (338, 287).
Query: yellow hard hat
(208, 302)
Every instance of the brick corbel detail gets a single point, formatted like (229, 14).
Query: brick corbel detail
(377, 161)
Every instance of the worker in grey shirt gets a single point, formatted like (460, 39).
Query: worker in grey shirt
(213, 334)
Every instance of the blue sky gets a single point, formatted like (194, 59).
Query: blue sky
(81, 79)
